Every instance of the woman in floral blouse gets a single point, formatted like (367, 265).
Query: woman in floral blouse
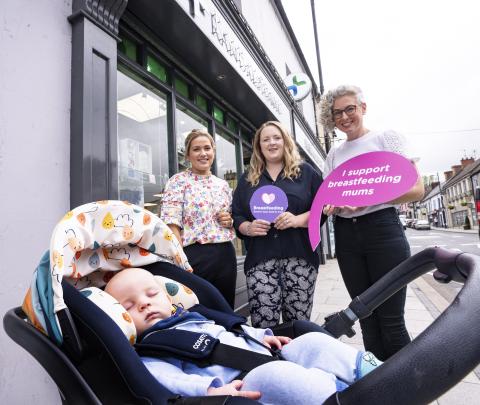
(196, 205)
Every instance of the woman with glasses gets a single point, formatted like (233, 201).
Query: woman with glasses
(196, 206)
(280, 266)
(369, 241)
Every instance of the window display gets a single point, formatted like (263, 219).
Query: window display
(142, 143)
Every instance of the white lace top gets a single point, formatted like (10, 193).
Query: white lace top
(372, 141)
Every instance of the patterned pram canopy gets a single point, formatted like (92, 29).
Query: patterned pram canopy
(90, 243)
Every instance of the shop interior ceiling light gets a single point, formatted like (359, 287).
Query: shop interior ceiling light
(142, 107)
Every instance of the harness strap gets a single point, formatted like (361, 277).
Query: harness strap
(239, 359)
(201, 349)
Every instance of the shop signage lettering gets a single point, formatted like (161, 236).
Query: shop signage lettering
(235, 50)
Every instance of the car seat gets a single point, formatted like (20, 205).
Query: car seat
(92, 362)
(79, 345)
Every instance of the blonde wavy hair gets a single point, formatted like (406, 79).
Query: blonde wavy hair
(328, 99)
(291, 156)
(194, 134)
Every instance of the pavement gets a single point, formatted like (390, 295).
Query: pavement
(474, 230)
(423, 305)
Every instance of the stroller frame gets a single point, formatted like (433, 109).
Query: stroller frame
(433, 363)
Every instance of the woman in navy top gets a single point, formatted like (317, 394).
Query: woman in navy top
(280, 266)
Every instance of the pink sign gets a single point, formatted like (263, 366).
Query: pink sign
(368, 179)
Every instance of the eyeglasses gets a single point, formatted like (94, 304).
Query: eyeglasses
(349, 110)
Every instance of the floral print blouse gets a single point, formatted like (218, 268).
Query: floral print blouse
(192, 202)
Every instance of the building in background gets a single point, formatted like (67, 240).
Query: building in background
(97, 98)
(435, 209)
(459, 194)
(449, 204)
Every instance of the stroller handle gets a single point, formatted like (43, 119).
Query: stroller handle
(441, 355)
(445, 260)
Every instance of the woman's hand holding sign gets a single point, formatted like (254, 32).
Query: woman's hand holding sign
(330, 209)
(258, 227)
(285, 221)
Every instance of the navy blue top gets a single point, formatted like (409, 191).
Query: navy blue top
(291, 242)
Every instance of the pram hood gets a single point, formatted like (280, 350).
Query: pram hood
(90, 243)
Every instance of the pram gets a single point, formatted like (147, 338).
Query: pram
(95, 364)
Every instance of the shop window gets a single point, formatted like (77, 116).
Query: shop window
(128, 48)
(226, 159)
(201, 102)
(142, 143)
(247, 137)
(231, 125)
(182, 87)
(458, 218)
(186, 121)
(218, 114)
(157, 69)
(227, 170)
(246, 155)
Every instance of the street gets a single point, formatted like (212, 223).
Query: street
(466, 242)
(421, 239)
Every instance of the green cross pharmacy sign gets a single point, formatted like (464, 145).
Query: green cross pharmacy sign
(299, 85)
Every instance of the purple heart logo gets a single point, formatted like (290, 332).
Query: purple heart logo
(268, 198)
(268, 202)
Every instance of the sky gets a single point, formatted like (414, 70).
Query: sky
(417, 62)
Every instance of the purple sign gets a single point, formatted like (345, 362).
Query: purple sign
(268, 202)
(368, 179)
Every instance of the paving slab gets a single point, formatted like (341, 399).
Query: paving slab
(423, 305)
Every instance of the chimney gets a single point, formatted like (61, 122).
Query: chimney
(456, 169)
(448, 175)
(466, 161)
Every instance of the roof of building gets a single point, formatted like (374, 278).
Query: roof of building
(467, 171)
(433, 192)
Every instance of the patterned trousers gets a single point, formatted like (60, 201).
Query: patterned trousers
(280, 286)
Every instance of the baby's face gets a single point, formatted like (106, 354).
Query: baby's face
(139, 293)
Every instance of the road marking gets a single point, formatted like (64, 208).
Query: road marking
(470, 244)
(424, 237)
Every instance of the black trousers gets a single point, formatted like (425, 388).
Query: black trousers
(367, 248)
(216, 263)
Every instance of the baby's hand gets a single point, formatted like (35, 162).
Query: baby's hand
(233, 389)
(276, 341)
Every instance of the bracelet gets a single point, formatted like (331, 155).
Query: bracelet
(248, 229)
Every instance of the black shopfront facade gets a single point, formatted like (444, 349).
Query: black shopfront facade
(145, 73)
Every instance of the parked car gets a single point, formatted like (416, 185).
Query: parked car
(403, 221)
(410, 222)
(422, 224)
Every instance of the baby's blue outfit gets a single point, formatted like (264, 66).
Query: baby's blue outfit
(316, 365)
